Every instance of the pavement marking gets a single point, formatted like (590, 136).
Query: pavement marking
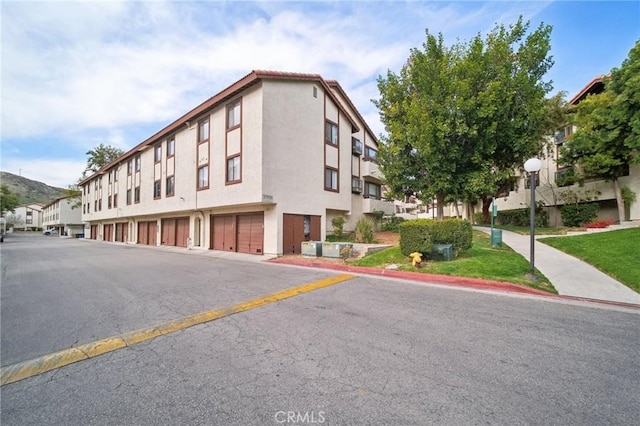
(23, 370)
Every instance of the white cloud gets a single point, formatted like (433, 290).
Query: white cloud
(58, 173)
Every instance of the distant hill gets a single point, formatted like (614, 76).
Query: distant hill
(30, 191)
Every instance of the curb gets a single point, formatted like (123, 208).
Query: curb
(448, 280)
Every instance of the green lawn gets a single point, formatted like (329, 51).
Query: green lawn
(480, 261)
(616, 253)
(525, 230)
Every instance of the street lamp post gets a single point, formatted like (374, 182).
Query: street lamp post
(533, 166)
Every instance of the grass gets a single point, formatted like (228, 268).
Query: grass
(525, 230)
(480, 261)
(614, 252)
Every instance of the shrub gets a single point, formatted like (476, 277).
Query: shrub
(364, 230)
(415, 236)
(600, 223)
(578, 214)
(521, 217)
(421, 234)
(338, 226)
(479, 219)
(392, 224)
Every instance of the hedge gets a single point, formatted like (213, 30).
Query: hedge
(521, 217)
(421, 234)
(578, 214)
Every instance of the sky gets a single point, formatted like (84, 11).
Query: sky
(77, 74)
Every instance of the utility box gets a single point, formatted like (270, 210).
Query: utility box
(311, 248)
(443, 251)
(334, 249)
(496, 238)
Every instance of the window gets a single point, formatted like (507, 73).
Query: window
(157, 190)
(109, 202)
(372, 190)
(233, 115)
(157, 153)
(527, 180)
(203, 177)
(203, 130)
(115, 200)
(96, 185)
(370, 154)
(100, 204)
(115, 175)
(129, 167)
(110, 175)
(136, 194)
(331, 179)
(88, 207)
(233, 169)
(137, 159)
(128, 196)
(171, 183)
(171, 147)
(331, 133)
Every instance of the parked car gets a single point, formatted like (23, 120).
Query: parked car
(51, 231)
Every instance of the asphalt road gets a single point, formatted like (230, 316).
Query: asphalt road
(365, 351)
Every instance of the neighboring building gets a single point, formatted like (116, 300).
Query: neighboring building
(61, 215)
(28, 217)
(552, 185)
(258, 168)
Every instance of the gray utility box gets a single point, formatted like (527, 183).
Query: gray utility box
(443, 251)
(311, 248)
(333, 249)
(496, 238)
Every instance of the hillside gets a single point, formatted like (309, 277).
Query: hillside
(30, 191)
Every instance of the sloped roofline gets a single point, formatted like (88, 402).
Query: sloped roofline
(253, 78)
(586, 90)
(336, 85)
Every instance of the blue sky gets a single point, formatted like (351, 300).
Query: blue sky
(77, 74)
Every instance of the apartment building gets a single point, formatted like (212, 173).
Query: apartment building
(258, 168)
(554, 189)
(27, 217)
(63, 216)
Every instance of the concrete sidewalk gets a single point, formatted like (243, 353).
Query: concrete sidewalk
(569, 275)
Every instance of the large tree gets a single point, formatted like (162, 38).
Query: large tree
(468, 113)
(99, 157)
(8, 200)
(607, 139)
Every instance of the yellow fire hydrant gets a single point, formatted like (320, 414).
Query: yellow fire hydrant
(416, 259)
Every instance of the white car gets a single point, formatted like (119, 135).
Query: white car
(52, 231)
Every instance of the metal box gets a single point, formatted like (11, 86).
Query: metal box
(333, 249)
(443, 251)
(311, 248)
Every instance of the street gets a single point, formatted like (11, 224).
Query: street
(363, 351)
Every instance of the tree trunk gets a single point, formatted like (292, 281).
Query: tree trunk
(470, 213)
(457, 210)
(619, 201)
(486, 203)
(440, 201)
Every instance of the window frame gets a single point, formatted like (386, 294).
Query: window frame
(170, 189)
(157, 153)
(332, 170)
(204, 185)
(136, 195)
(137, 163)
(157, 189)
(328, 134)
(201, 137)
(129, 199)
(231, 114)
(368, 194)
(171, 147)
(229, 179)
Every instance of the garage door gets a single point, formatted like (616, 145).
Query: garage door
(223, 233)
(107, 232)
(94, 232)
(298, 228)
(250, 233)
(175, 231)
(147, 233)
(121, 232)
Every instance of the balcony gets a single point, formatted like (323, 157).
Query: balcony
(371, 169)
(371, 205)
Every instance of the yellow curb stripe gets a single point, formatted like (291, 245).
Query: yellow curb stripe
(23, 370)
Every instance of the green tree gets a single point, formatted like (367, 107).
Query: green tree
(99, 157)
(75, 195)
(460, 118)
(607, 139)
(8, 200)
